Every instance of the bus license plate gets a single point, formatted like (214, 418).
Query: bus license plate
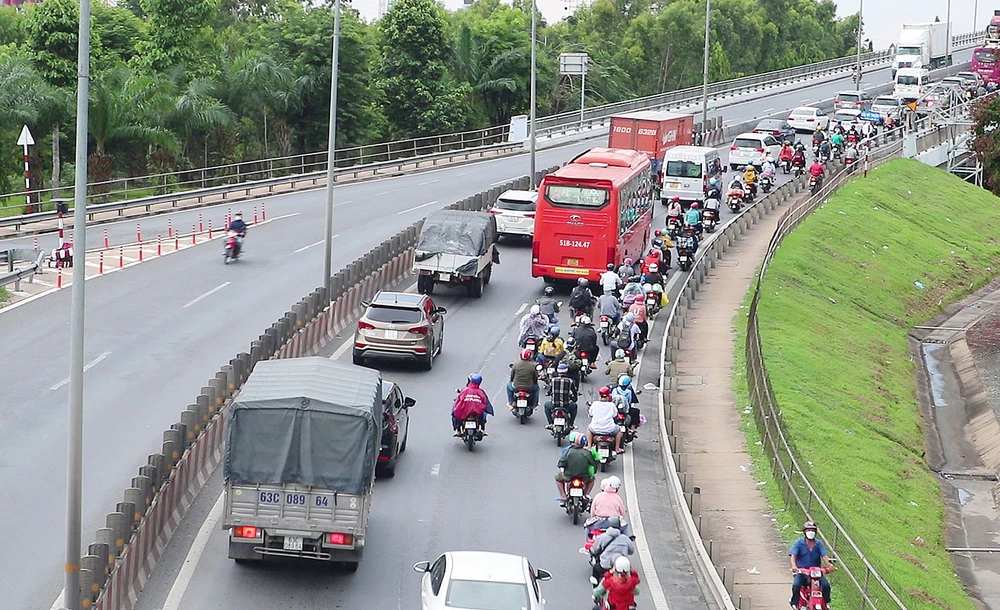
(293, 543)
(391, 334)
(471, 425)
(522, 403)
(560, 421)
(445, 277)
(573, 262)
(576, 492)
(603, 452)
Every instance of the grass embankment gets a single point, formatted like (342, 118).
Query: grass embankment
(4, 296)
(884, 254)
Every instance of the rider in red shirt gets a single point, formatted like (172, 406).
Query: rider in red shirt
(471, 401)
(620, 585)
(816, 169)
(653, 258)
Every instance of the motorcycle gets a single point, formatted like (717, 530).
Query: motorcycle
(710, 219)
(799, 169)
(813, 184)
(522, 410)
(627, 434)
(532, 344)
(560, 424)
(472, 431)
(838, 151)
(849, 160)
(766, 182)
(605, 330)
(653, 295)
(734, 199)
(231, 251)
(605, 446)
(811, 597)
(674, 226)
(685, 258)
(577, 503)
(824, 157)
(786, 166)
(585, 359)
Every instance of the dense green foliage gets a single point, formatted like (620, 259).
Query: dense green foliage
(187, 83)
(986, 117)
(838, 300)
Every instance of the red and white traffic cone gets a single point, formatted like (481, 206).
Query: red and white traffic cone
(194, 235)
(138, 233)
(100, 263)
(106, 246)
(170, 228)
(159, 246)
(121, 256)
(263, 212)
(200, 225)
(210, 228)
(255, 214)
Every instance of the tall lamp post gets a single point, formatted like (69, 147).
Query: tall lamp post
(74, 444)
(947, 45)
(534, 34)
(331, 148)
(704, 75)
(857, 68)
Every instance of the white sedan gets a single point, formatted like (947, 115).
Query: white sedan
(808, 118)
(477, 580)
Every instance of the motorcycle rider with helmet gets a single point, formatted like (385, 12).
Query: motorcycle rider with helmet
(817, 170)
(610, 546)
(619, 366)
(633, 288)
(533, 324)
(582, 299)
(662, 241)
(619, 586)
(626, 269)
(571, 358)
(629, 398)
(639, 314)
(548, 305)
(608, 305)
(654, 277)
(750, 179)
(713, 191)
(564, 395)
(602, 419)
(523, 376)
(576, 462)
(692, 217)
(629, 334)
(610, 281)
(551, 348)
(786, 153)
(808, 552)
(240, 228)
(586, 340)
(674, 210)
(472, 400)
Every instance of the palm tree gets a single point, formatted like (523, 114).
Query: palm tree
(488, 71)
(125, 111)
(198, 112)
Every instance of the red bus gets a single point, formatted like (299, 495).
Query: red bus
(595, 210)
(986, 63)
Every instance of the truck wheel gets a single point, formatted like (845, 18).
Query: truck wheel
(389, 470)
(475, 287)
(488, 273)
(425, 284)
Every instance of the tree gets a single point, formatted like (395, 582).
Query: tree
(12, 26)
(178, 33)
(21, 90)
(52, 37)
(119, 31)
(491, 74)
(420, 96)
(986, 144)
(197, 113)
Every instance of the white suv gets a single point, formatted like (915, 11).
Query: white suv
(749, 147)
(515, 213)
(808, 118)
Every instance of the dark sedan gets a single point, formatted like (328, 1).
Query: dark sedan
(779, 128)
(395, 427)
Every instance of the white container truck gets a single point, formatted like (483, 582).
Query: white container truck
(922, 45)
(302, 440)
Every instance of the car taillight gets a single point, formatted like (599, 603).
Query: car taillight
(775, 133)
(362, 325)
(534, 251)
(810, 120)
(246, 531)
(733, 148)
(495, 211)
(760, 150)
(420, 330)
(338, 538)
(529, 214)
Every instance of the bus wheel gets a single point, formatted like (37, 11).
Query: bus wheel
(475, 287)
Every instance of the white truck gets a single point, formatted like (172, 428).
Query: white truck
(302, 440)
(456, 247)
(922, 45)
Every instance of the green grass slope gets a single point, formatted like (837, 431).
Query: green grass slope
(885, 253)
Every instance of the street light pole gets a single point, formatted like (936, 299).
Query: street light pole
(331, 148)
(947, 45)
(74, 444)
(704, 76)
(534, 34)
(857, 68)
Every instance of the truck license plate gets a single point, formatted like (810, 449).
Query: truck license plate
(603, 452)
(576, 492)
(559, 421)
(522, 403)
(293, 543)
(445, 277)
(391, 334)
(573, 262)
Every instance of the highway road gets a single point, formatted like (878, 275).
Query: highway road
(157, 331)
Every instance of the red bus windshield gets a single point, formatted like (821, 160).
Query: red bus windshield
(577, 196)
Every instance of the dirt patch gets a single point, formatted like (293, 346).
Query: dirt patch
(985, 334)
(878, 493)
(912, 560)
(924, 595)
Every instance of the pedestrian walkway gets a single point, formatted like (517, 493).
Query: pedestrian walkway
(733, 511)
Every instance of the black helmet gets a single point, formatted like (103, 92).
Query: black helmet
(549, 291)
(583, 281)
(611, 266)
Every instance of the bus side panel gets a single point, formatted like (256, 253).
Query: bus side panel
(633, 243)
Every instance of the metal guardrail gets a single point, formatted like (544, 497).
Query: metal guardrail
(199, 195)
(36, 258)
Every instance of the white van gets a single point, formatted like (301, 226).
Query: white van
(911, 83)
(686, 170)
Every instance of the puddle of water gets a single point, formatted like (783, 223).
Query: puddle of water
(937, 380)
(964, 497)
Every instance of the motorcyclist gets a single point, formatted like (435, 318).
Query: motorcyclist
(608, 305)
(564, 395)
(619, 586)
(523, 376)
(626, 269)
(851, 153)
(586, 340)
(750, 178)
(608, 548)
(714, 204)
(628, 396)
(239, 227)
(852, 134)
(581, 299)
(634, 289)
(629, 334)
(619, 366)
(688, 239)
(799, 157)
(571, 358)
(818, 136)
(548, 304)
(837, 139)
(653, 258)
(808, 552)
(768, 168)
(692, 217)
(602, 419)
(533, 324)
(654, 277)
(552, 346)
(713, 191)
(816, 169)
(839, 128)
(674, 210)
(576, 462)
(472, 400)
(825, 150)
(786, 153)
(610, 280)
(638, 311)
(662, 241)
(608, 504)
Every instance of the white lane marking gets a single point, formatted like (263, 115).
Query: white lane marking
(520, 309)
(184, 575)
(435, 469)
(304, 248)
(462, 173)
(416, 207)
(86, 368)
(58, 604)
(499, 182)
(765, 112)
(382, 193)
(426, 182)
(340, 203)
(207, 294)
(642, 545)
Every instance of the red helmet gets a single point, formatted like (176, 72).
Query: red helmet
(676, 199)
(526, 354)
(654, 252)
(604, 391)
(694, 205)
(658, 233)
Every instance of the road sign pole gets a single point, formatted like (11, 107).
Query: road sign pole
(24, 141)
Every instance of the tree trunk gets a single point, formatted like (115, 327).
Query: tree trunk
(100, 169)
(56, 158)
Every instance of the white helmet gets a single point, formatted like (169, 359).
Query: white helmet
(585, 320)
(604, 483)
(614, 482)
(535, 309)
(623, 565)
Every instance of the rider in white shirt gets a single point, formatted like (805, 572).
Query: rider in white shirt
(610, 281)
(602, 419)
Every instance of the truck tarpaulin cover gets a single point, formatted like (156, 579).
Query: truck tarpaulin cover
(456, 232)
(310, 421)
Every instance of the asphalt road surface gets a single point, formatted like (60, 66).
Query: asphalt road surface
(157, 331)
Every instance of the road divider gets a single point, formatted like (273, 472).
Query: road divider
(126, 551)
